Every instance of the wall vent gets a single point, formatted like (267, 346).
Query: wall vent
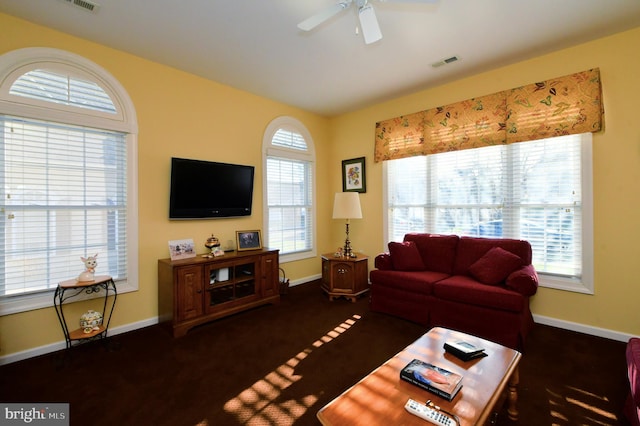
(84, 4)
(444, 62)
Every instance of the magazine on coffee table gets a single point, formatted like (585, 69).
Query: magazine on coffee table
(438, 380)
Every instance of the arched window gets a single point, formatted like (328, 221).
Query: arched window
(289, 174)
(68, 175)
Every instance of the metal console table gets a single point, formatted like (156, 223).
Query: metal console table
(72, 288)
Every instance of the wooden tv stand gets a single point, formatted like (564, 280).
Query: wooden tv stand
(200, 289)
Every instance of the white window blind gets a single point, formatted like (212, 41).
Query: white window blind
(289, 139)
(64, 192)
(289, 204)
(49, 86)
(528, 190)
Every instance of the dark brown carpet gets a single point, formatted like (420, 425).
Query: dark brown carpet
(278, 365)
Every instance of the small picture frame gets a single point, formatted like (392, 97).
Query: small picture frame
(354, 177)
(181, 249)
(248, 240)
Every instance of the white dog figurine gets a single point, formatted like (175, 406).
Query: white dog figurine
(90, 263)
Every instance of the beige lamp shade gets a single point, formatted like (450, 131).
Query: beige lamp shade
(346, 205)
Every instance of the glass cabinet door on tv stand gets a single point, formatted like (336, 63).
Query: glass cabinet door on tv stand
(229, 282)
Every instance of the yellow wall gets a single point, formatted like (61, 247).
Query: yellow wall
(616, 170)
(178, 114)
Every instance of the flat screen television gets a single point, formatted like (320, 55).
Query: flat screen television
(206, 189)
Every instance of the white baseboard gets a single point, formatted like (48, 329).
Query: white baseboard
(42, 350)
(581, 328)
(305, 280)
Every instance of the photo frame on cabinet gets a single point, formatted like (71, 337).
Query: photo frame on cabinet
(354, 177)
(181, 249)
(248, 240)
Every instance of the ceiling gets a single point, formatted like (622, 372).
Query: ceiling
(255, 45)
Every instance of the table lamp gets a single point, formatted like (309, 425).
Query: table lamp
(346, 205)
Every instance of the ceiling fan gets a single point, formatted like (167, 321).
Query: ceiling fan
(367, 16)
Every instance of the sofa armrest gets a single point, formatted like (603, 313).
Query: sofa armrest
(524, 280)
(383, 262)
(632, 353)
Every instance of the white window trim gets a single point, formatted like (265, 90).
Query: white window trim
(586, 284)
(289, 123)
(125, 120)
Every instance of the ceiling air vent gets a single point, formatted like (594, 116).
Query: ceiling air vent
(444, 62)
(84, 4)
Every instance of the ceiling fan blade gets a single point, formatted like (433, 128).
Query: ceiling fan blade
(369, 24)
(324, 15)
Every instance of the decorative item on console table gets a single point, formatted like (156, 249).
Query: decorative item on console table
(90, 264)
(182, 249)
(248, 240)
(213, 244)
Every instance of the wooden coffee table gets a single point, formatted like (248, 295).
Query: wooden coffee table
(379, 398)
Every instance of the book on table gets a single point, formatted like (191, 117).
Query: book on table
(463, 349)
(438, 380)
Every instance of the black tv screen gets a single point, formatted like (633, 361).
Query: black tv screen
(205, 189)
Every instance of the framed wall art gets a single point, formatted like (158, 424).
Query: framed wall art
(353, 175)
(248, 240)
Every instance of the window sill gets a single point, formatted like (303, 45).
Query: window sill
(292, 257)
(567, 284)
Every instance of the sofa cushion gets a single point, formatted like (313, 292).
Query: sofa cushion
(438, 252)
(495, 266)
(470, 249)
(420, 282)
(524, 280)
(465, 289)
(405, 256)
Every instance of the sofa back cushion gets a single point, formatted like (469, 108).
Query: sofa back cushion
(438, 252)
(471, 249)
(405, 256)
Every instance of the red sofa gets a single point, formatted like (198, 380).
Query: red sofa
(480, 286)
(632, 406)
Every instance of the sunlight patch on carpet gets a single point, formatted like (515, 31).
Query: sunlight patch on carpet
(258, 405)
(595, 407)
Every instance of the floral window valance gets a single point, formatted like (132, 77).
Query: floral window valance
(561, 106)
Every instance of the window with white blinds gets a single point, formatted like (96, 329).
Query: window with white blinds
(289, 204)
(289, 174)
(536, 191)
(64, 194)
(67, 176)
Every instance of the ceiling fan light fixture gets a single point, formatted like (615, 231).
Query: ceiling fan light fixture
(369, 24)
